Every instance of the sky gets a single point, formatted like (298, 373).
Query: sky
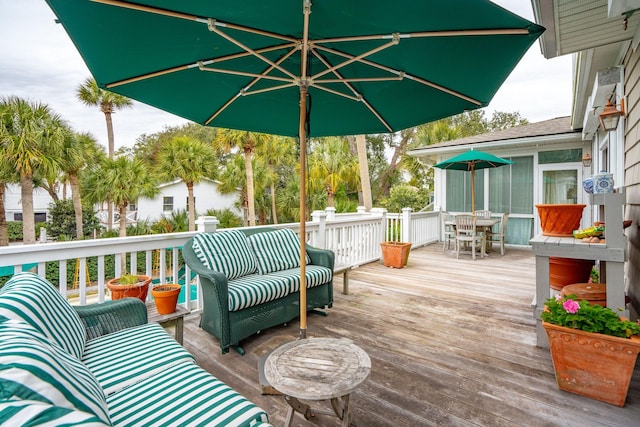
(39, 62)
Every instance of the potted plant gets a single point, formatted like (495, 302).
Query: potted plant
(395, 254)
(593, 350)
(166, 297)
(129, 286)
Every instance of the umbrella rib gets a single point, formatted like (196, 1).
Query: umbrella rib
(403, 75)
(423, 34)
(346, 82)
(189, 17)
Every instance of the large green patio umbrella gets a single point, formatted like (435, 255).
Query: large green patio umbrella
(300, 68)
(471, 161)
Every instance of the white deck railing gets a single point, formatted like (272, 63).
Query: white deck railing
(355, 239)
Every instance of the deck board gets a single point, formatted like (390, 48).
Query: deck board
(451, 341)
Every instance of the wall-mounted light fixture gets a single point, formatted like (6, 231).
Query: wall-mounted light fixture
(610, 116)
(586, 160)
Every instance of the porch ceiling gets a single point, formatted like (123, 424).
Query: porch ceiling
(577, 25)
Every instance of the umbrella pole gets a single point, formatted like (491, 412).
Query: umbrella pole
(473, 191)
(303, 211)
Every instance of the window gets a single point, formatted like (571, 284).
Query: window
(187, 203)
(38, 216)
(459, 190)
(167, 204)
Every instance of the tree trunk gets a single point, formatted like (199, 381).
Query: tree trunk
(399, 150)
(331, 198)
(123, 233)
(250, 192)
(110, 139)
(192, 207)
(28, 217)
(77, 204)
(4, 232)
(363, 163)
(274, 214)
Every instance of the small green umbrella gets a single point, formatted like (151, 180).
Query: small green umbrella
(470, 161)
(300, 68)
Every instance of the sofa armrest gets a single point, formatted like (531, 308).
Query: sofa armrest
(112, 316)
(323, 257)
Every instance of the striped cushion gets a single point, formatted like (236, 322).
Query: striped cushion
(31, 298)
(34, 413)
(256, 289)
(316, 275)
(276, 250)
(226, 252)
(31, 368)
(131, 355)
(183, 395)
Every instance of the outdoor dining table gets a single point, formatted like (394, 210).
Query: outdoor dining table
(484, 224)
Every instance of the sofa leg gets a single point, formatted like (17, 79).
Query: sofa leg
(320, 312)
(239, 349)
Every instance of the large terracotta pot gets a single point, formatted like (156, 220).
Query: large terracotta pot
(137, 290)
(560, 220)
(166, 297)
(567, 271)
(593, 293)
(395, 254)
(597, 366)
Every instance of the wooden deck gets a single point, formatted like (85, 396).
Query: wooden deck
(452, 342)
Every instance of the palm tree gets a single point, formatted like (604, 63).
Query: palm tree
(32, 137)
(245, 141)
(122, 180)
(191, 161)
(7, 176)
(92, 95)
(363, 166)
(79, 150)
(276, 152)
(332, 165)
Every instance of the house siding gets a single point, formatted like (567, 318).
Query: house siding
(632, 175)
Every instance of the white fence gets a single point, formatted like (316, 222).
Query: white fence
(354, 238)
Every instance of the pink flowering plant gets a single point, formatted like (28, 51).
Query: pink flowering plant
(568, 312)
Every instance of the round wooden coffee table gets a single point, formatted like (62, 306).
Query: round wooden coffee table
(315, 369)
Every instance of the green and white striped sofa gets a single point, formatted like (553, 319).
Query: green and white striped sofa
(250, 280)
(101, 365)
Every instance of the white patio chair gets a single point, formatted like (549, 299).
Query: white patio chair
(467, 233)
(448, 230)
(499, 236)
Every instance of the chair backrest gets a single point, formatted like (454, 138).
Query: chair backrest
(483, 214)
(503, 223)
(465, 224)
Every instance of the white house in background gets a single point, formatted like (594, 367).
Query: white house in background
(173, 197)
(13, 203)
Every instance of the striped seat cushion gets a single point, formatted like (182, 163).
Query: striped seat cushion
(131, 355)
(183, 395)
(32, 368)
(316, 275)
(34, 413)
(276, 250)
(256, 289)
(226, 252)
(31, 298)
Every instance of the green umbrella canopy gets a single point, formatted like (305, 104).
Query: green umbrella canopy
(470, 161)
(372, 66)
(297, 68)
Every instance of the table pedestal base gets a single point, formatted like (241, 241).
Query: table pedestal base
(340, 408)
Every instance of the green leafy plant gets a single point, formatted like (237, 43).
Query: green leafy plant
(129, 279)
(568, 312)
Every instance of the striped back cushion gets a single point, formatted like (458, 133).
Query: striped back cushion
(32, 299)
(226, 252)
(31, 368)
(276, 250)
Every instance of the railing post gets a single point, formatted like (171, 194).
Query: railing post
(331, 213)
(361, 210)
(383, 222)
(207, 224)
(319, 240)
(406, 225)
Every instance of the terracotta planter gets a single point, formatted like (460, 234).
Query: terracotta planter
(567, 271)
(137, 290)
(594, 293)
(166, 297)
(395, 254)
(560, 220)
(592, 365)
